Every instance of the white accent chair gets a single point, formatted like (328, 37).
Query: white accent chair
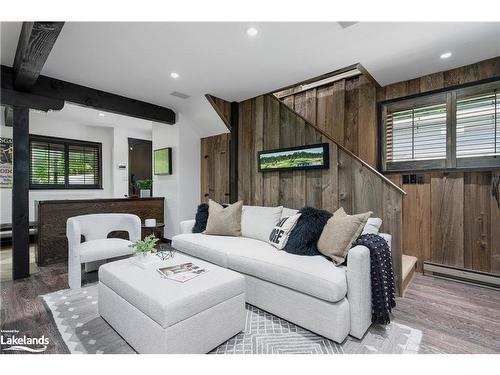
(97, 247)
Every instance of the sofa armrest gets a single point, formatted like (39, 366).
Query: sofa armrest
(187, 226)
(359, 292)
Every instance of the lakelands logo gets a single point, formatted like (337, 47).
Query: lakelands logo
(23, 343)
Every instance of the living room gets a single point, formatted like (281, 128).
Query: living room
(250, 187)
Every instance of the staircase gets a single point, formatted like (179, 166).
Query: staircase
(408, 270)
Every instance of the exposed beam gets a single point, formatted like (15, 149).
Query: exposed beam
(101, 100)
(20, 194)
(35, 43)
(25, 99)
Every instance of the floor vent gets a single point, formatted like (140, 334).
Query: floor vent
(180, 95)
(465, 276)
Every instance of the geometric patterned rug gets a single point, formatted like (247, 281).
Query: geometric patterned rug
(84, 331)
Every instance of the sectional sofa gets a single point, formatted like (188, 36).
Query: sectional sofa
(310, 291)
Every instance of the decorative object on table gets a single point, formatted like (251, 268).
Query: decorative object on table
(339, 233)
(156, 230)
(165, 252)
(224, 221)
(163, 161)
(181, 272)
(304, 237)
(150, 222)
(145, 187)
(142, 250)
(293, 158)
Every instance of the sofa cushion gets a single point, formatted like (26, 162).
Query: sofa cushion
(257, 222)
(214, 249)
(314, 275)
(201, 218)
(281, 232)
(224, 221)
(304, 237)
(104, 249)
(288, 212)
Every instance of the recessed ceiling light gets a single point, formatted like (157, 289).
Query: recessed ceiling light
(102, 114)
(252, 31)
(174, 75)
(445, 55)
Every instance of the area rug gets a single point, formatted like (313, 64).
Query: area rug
(84, 331)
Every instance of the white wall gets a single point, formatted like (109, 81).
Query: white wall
(181, 189)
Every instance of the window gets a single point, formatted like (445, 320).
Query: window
(455, 129)
(57, 163)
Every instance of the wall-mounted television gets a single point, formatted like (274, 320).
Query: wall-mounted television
(163, 161)
(293, 158)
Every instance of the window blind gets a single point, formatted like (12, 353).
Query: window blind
(57, 163)
(83, 165)
(478, 125)
(47, 165)
(417, 133)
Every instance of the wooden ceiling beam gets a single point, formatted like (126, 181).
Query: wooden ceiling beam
(33, 48)
(58, 90)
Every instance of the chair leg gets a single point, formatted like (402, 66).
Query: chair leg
(74, 274)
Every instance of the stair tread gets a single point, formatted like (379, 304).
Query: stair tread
(409, 263)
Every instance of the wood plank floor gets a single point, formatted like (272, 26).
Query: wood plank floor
(453, 317)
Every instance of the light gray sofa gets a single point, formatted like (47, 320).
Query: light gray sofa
(309, 291)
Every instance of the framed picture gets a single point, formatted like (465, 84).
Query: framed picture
(293, 158)
(6, 152)
(163, 161)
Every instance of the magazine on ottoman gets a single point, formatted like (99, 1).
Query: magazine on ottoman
(181, 272)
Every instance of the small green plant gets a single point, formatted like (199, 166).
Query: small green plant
(144, 184)
(145, 246)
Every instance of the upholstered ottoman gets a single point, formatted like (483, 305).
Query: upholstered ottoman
(158, 315)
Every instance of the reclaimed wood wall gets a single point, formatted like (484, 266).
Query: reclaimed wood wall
(345, 109)
(452, 218)
(266, 123)
(215, 168)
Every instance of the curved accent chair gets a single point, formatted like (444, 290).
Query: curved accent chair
(97, 247)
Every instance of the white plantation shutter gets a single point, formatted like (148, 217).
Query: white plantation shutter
(478, 125)
(417, 133)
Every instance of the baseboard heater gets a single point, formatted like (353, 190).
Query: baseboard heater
(459, 274)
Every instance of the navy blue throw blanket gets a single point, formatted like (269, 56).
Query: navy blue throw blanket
(382, 277)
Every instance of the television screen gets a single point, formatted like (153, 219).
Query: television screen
(302, 157)
(163, 161)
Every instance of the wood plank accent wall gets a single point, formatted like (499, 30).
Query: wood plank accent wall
(266, 123)
(452, 218)
(346, 110)
(215, 168)
(222, 107)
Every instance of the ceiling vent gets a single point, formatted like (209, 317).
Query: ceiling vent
(180, 95)
(345, 25)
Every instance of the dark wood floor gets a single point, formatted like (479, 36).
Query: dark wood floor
(453, 317)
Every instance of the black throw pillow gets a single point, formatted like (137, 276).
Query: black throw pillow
(304, 237)
(201, 218)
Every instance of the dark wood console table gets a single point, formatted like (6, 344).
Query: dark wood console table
(52, 245)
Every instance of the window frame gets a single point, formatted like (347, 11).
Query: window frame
(67, 143)
(450, 95)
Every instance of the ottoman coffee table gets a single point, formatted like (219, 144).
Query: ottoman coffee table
(158, 315)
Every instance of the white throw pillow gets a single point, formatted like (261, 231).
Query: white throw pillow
(281, 232)
(372, 226)
(288, 212)
(257, 222)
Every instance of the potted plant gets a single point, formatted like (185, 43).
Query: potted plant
(144, 187)
(142, 248)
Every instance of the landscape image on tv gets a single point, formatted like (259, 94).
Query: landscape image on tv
(306, 157)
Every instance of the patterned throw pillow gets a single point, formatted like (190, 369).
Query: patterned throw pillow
(281, 232)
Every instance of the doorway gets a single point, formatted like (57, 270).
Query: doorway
(139, 164)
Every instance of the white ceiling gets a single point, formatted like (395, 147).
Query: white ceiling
(136, 59)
